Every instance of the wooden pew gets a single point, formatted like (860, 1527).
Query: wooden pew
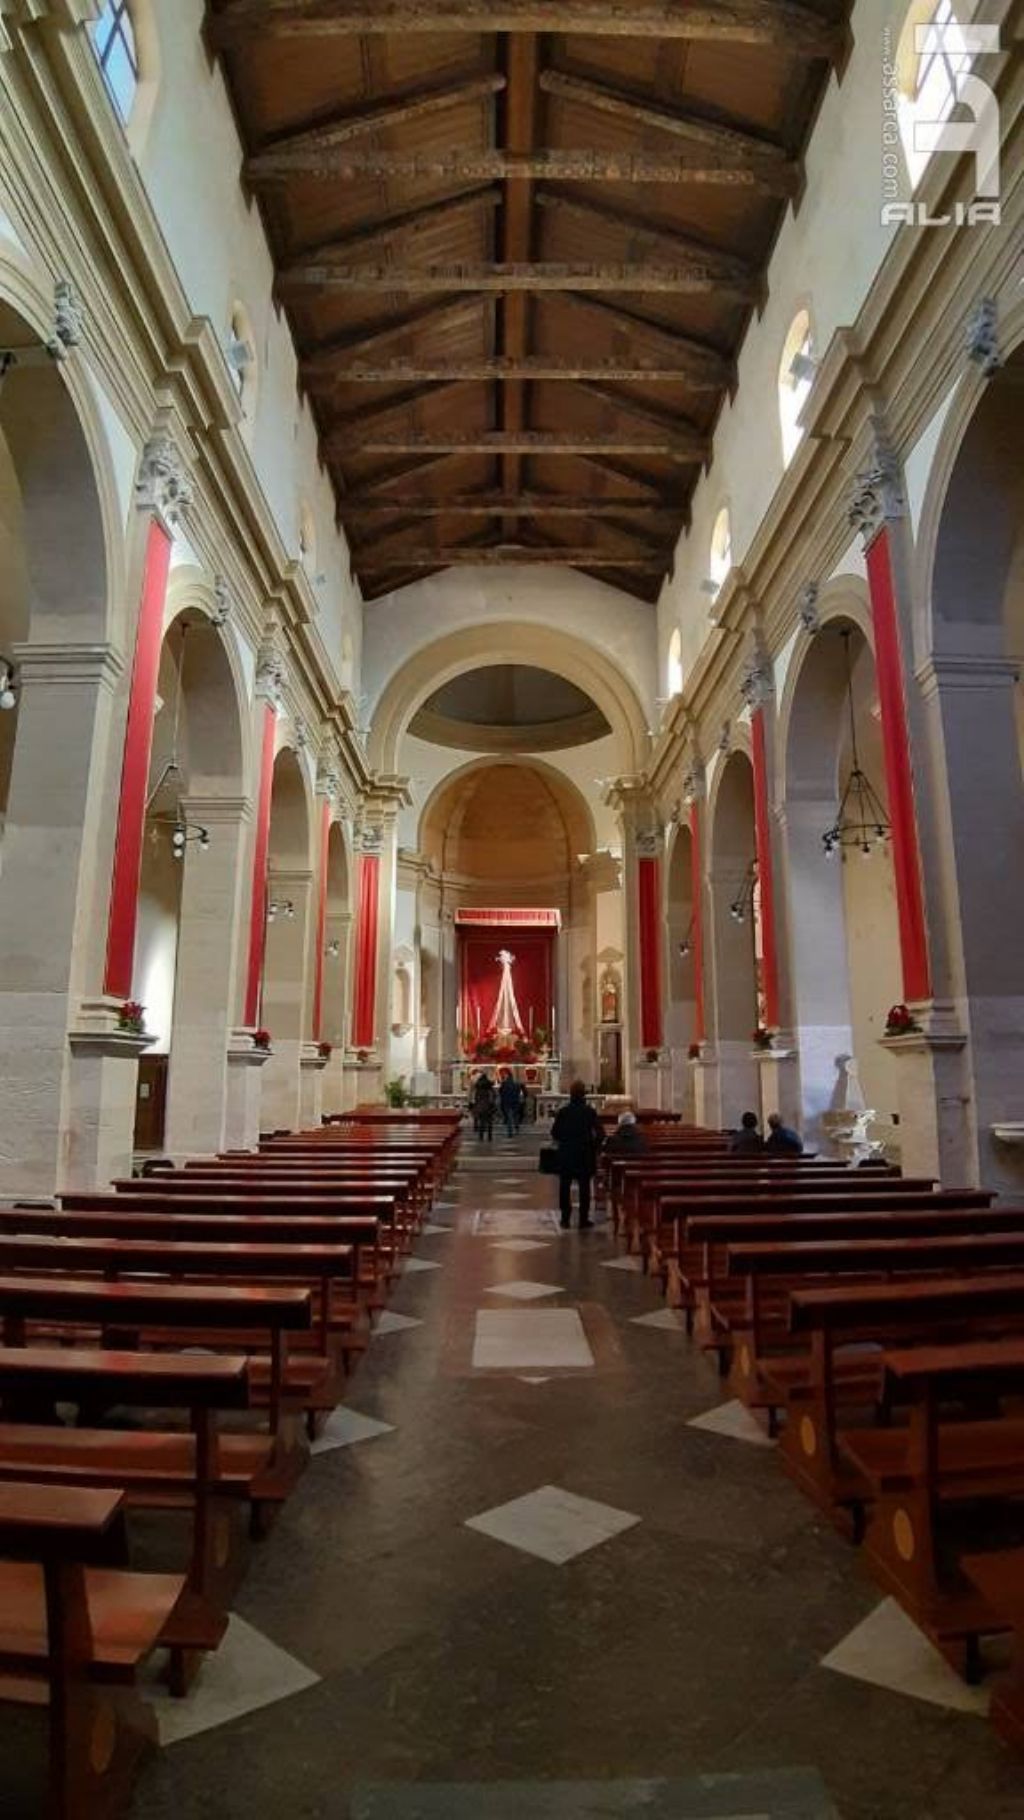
(702, 1227)
(846, 1326)
(75, 1636)
(261, 1468)
(941, 1461)
(759, 1329)
(314, 1376)
(999, 1578)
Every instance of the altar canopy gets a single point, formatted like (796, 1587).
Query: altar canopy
(493, 991)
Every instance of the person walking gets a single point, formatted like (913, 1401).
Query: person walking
(484, 1104)
(577, 1132)
(510, 1101)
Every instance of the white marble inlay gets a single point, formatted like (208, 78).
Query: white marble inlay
(662, 1317)
(344, 1427)
(553, 1524)
(735, 1421)
(518, 1339)
(390, 1322)
(411, 1265)
(245, 1673)
(520, 1245)
(534, 1380)
(525, 1291)
(430, 1231)
(888, 1650)
(633, 1265)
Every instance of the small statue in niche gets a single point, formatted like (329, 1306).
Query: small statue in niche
(609, 999)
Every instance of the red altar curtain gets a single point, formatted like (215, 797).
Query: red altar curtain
(533, 975)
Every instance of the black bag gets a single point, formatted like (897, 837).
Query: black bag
(550, 1163)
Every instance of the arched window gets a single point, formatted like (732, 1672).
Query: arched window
(930, 67)
(720, 561)
(796, 376)
(241, 357)
(113, 37)
(674, 670)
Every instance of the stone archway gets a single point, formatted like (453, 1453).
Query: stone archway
(59, 574)
(842, 909)
(287, 948)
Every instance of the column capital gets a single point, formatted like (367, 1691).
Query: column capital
(271, 670)
(163, 485)
(876, 494)
(807, 606)
(981, 336)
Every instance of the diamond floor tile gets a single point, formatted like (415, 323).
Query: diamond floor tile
(553, 1524)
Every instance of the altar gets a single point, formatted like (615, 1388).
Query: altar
(508, 1002)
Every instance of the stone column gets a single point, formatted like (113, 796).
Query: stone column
(285, 996)
(817, 921)
(209, 942)
(732, 1008)
(49, 1122)
(244, 1092)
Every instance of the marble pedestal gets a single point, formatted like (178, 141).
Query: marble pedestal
(245, 1092)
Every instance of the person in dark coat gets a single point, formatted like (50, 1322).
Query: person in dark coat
(627, 1139)
(747, 1141)
(510, 1100)
(782, 1140)
(577, 1132)
(484, 1102)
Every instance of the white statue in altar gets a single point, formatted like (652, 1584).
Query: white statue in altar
(506, 1021)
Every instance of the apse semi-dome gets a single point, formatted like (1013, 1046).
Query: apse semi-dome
(510, 708)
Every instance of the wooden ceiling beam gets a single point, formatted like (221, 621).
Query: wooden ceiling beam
(777, 24)
(628, 325)
(385, 407)
(481, 164)
(320, 363)
(669, 421)
(620, 470)
(497, 505)
(411, 221)
(653, 238)
(382, 116)
(706, 275)
(393, 476)
(729, 155)
(495, 555)
(696, 375)
(680, 446)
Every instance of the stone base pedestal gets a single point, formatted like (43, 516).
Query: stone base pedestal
(312, 1073)
(652, 1086)
(934, 1100)
(707, 1092)
(245, 1092)
(364, 1081)
(739, 1082)
(102, 1088)
(780, 1084)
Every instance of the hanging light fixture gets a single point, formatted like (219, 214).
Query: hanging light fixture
(742, 903)
(686, 945)
(181, 832)
(862, 821)
(280, 906)
(8, 685)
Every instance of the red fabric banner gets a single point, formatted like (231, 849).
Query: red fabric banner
(649, 895)
(765, 873)
(138, 748)
(364, 1005)
(258, 895)
(509, 919)
(321, 921)
(533, 977)
(898, 773)
(697, 936)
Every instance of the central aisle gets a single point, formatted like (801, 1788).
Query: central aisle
(539, 1545)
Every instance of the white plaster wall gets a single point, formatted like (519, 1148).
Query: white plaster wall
(400, 624)
(825, 259)
(190, 164)
(427, 766)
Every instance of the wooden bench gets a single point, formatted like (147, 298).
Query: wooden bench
(918, 1474)
(846, 1327)
(73, 1637)
(999, 1578)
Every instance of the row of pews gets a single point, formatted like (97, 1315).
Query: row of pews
(172, 1345)
(876, 1324)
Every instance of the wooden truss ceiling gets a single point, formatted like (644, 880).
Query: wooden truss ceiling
(519, 243)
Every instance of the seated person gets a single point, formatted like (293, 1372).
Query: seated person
(627, 1139)
(747, 1141)
(782, 1140)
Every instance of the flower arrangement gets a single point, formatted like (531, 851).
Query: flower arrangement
(261, 1039)
(762, 1038)
(694, 1052)
(325, 1051)
(132, 1017)
(652, 1055)
(900, 1021)
(395, 1092)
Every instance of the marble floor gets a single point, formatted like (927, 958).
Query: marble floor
(542, 1569)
